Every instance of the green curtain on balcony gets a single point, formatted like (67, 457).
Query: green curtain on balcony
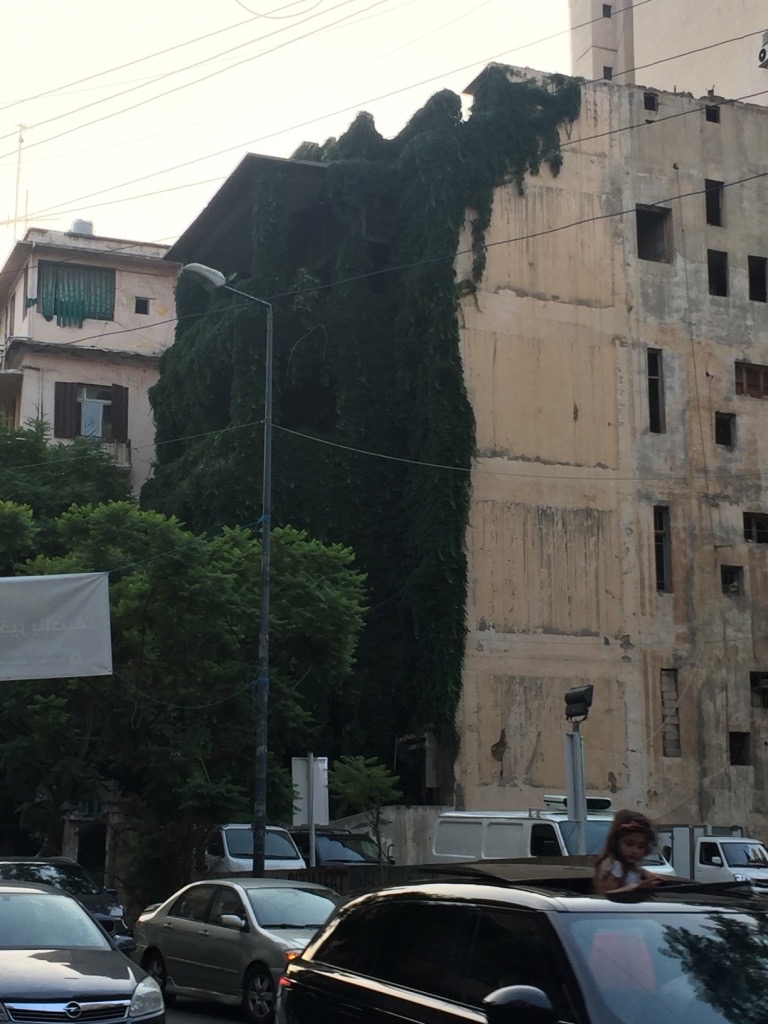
(75, 293)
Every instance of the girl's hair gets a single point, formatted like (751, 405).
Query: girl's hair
(623, 823)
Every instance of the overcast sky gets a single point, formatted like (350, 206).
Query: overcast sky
(135, 113)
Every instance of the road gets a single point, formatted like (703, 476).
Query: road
(187, 1011)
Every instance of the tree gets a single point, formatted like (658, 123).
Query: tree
(174, 725)
(364, 784)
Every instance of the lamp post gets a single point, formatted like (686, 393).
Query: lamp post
(213, 279)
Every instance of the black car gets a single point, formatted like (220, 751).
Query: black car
(536, 953)
(337, 846)
(57, 964)
(65, 873)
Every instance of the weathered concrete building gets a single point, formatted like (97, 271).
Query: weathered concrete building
(83, 322)
(616, 354)
(686, 46)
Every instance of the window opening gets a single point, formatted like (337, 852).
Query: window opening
(94, 407)
(141, 305)
(653, 233)
(738, 748)
(74, 293)
(713, 198)
(607, 10)
(607, 73)
(25, 303)
(670, 714)
(12, 316)
(712, 113)
(725, 429)
(751, 380)
(656, 418)
(717, 270)
(732, 579)
(758, 278)
(651, 101)
(662, 548)
(756, 527)
(758, 688)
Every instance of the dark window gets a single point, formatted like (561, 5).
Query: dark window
(738, 748)
(25, 305)
(653, 233)
(712, 113)
(713, 198)
(607, 11)
(651, 101)
(758, 686)
(607, 73)
(725, 429)
(662, 546)
(717, 271)
(732, 579)
(670, 713)
(89, 410)
(225, 901)
(193, 903)
(756, 527)
(656, 419)
(75, 293)
(544, 841)
(752, 380)
(707, 851)
(758, 278)
(142, 305)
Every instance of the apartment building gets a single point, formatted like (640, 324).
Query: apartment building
(695, 46)
(616, 354)
(83, 322)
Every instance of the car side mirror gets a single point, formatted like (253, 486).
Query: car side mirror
(716, 862)
(231, 921)
(215, 849)
(519, 1004)
(125, 943)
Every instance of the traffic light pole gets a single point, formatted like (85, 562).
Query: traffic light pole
(576, 793)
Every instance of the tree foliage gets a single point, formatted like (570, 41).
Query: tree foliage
(367, 358)
(364, 785)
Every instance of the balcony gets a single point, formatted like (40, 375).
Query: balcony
(119, 450)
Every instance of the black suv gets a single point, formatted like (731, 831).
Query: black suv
(65, 873)
(338, 846)
(536, 953)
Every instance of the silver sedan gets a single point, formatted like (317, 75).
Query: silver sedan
(229, 940)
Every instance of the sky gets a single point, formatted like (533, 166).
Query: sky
(134, 114)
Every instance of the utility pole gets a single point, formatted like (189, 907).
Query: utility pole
(21, 128)
(578, 701)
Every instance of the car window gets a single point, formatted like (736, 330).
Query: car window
(47, 921)
(707, 851)
(225, 901)
(745, 855)
(193, 903)
(69, 877)
(292, 908)
(280, 846)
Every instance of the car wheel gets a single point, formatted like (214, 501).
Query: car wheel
(154, 965)
(259, 996)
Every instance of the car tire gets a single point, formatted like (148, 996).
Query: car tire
(154, 965)
(259, 994)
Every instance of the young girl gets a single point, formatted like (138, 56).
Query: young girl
(619, 867)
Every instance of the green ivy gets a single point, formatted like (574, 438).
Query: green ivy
(367, 357)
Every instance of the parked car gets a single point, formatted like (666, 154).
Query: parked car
(338, 846)
(470, 950)
(229, 850)
(65, 873)
(57, 964)
(229, 940)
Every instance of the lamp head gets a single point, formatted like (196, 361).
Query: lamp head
(209, 278)
(578, 701)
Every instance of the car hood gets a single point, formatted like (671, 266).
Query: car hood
(98, 902)
(66, 974)
(293, 938)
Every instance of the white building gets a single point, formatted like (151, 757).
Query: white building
(696, 46)
(83, 322)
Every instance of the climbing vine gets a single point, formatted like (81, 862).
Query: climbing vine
(367, 357)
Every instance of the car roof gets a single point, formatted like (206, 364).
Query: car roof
(248, 882)
(38, 860)
(8, 886)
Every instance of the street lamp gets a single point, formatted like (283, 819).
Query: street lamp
(211, 280)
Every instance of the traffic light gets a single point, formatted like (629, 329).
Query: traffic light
(578, 701)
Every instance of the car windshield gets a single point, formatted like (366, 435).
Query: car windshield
(359, 848)
(291, 908)
(277, 846)
(69, 877)
(595, 834)
(745, 855)
(46, 921)
(707, 967)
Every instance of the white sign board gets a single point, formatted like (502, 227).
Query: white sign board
(53, 627)
(301, 804)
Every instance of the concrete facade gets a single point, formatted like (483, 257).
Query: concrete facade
(608, 517)
(694, 46)
(97, 357)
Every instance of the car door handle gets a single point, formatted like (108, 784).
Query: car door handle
(203, 931)
(167, 926)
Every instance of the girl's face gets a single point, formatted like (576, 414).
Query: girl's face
(633, 846)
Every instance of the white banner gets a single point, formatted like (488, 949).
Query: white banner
(53, 627)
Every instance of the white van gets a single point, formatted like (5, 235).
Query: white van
(537, 832)
(229, 850)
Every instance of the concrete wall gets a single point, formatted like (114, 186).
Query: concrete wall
(647, 39)
(563, 586)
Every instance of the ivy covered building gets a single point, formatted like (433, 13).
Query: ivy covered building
(518, 357)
